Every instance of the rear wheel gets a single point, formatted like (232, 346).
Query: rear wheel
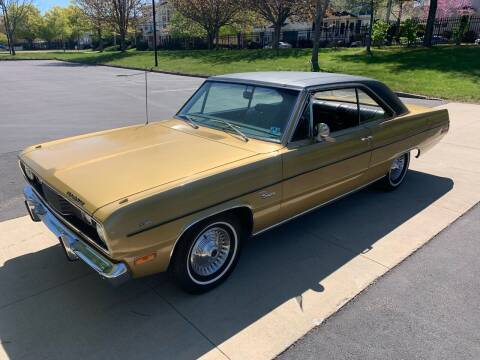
(207, 254)
(398, 169)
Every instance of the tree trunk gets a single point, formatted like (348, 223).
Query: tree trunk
(122, 40)
(9, 44)
(100, 40)
(389, 11)
(319, 14)
(210, 38)
(370, 29)
(217, 37)
(432, 12)
(12, 44)
(276, 34)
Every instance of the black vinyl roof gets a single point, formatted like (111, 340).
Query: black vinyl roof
(303, 80)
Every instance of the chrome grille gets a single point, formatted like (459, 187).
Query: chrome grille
(69, 213)
(59, 204)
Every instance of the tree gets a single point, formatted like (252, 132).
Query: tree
(380, 30)
(388, 11)
(97, 12)
(432, 11)
(121, 15)
(181, 26)
(77, 22)
(211, 15)
(320, 8)
(275, 12)
(13, 13)
(29, 27)
(55, 25)
(446, 8)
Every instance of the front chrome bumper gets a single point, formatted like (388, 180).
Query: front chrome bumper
(75, 248)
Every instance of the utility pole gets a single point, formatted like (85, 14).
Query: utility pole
(155, 33)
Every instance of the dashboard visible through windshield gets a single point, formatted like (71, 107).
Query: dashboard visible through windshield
(256, 111)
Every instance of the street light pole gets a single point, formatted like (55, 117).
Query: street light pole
(155, 34)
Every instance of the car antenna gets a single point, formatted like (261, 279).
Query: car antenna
(146, 90)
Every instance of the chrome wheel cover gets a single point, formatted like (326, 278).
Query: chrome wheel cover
(210, 251)
(397, 169)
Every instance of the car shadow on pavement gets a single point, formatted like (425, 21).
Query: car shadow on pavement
(53, 309)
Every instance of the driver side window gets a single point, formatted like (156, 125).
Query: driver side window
(336, 108)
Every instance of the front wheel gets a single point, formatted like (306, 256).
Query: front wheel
(207, 254)
(398, 169)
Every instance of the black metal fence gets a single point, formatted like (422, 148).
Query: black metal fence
(350, 33)
(342, 33)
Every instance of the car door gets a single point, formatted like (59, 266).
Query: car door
(318, 171)
(390, 134)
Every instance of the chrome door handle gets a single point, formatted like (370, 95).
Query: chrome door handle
(368, 138)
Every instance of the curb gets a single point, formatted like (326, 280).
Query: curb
(137, 69)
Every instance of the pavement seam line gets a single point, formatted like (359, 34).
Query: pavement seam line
(189, 321)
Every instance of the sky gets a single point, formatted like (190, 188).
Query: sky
(44, 5)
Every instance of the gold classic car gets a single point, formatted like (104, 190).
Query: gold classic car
(246, 152)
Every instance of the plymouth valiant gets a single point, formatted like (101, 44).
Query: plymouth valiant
(246, 152)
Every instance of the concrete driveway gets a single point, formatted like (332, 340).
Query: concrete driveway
(288, 280)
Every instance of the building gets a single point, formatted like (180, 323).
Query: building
(337, 26)
(163, 16)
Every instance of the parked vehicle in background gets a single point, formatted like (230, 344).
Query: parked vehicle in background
(477, 42)
(436, 39)
(281, 45)
(2, 47)
(247, 152)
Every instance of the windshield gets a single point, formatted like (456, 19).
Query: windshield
(257, 111)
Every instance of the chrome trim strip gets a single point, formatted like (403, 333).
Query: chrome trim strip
(115, 273)
(316, 207)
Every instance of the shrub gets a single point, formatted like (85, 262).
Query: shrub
(461, 30)
(379, 33)
(408, 30)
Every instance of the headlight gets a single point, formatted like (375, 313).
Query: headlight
(29, 173)
(101, 232)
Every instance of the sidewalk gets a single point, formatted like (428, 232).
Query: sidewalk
(288, 281)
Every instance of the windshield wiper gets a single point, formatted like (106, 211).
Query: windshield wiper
(231, 126)
(188, 120)
(234, 128)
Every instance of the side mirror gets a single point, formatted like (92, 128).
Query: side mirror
(322, 132)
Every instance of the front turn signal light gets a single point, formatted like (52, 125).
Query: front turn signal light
(144, 259)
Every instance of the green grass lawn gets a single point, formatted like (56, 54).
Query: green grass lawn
(450, 72)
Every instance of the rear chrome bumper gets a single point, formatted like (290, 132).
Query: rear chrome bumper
(75, 247)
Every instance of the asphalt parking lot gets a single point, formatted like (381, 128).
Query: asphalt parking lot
(47, 100)
(282, 288)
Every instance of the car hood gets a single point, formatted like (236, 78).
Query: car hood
(100, 168)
